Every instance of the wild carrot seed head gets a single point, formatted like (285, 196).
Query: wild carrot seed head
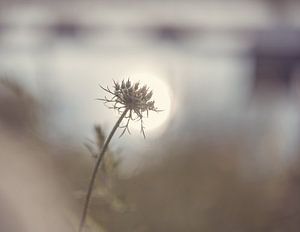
(132, 97)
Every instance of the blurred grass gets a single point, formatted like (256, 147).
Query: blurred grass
(197, 185)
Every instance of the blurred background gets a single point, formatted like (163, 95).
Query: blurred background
(222, 156)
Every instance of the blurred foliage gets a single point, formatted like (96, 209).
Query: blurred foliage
(18, 107)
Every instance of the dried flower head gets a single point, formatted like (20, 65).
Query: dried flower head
(132, 98)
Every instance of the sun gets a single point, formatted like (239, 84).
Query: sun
(156, 121)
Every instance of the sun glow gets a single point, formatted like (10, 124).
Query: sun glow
(156, 121)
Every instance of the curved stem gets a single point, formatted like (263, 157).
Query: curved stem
(93, 178)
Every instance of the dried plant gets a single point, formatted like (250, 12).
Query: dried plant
(130, 98)
(133, 102)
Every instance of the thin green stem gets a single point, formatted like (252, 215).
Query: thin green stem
(93, 178)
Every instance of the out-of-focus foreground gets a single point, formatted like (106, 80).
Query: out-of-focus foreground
(194, 186)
